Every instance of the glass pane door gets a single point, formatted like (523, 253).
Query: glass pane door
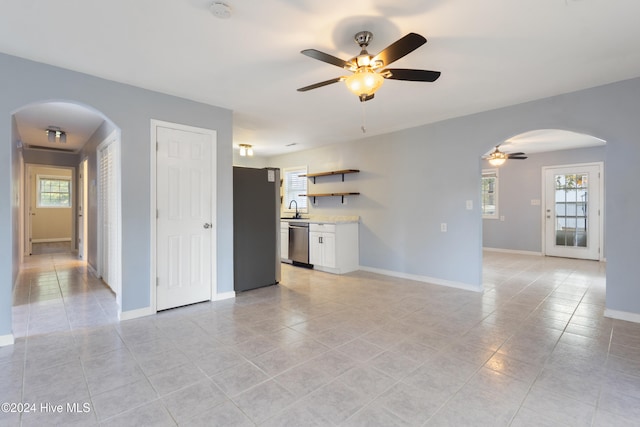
(572, 211)
(571, 207)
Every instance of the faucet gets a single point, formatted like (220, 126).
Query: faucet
(297, 214)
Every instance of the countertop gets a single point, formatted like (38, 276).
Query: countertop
(325, 219)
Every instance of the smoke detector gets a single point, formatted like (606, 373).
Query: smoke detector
(220, 10)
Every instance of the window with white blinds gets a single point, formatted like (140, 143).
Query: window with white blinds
(489, 194)
(293, 186)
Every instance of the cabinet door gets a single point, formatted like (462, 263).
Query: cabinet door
(315, 248)
(329, 250)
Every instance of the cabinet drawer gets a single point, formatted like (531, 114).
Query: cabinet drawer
(326, 228)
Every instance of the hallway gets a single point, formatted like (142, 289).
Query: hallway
(56, 293)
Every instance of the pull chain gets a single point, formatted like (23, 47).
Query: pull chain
(364, 119)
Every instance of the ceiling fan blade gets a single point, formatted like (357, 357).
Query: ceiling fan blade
(400, 48)
(412, 75)
(516, 154)
(325, 57)
(517, 157)
(317, 85)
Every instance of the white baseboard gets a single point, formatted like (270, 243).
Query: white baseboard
(622, 315)
(92, 270)
(134, 314)
(6, 340)
(223, 296)
(54, 240)
(512, 251)
(426, 279)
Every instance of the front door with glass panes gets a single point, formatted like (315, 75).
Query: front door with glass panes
(572, 211)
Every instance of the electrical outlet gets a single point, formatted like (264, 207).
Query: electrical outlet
(535, 202)
(469, 205)
(443, 227)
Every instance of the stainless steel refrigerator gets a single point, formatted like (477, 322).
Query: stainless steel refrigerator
(256, 227)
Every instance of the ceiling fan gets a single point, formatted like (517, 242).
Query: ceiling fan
(497, 157)
(369, 71)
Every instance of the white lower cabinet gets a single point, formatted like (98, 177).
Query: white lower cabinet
(334, 247)
(322, 249)
(284, 240)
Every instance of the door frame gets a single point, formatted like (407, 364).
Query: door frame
(27, 228)
(153, 206)
(83, 201)
(600, 166)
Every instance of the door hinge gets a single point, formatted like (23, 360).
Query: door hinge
(157, 146)
(157, 214)
(157, 282)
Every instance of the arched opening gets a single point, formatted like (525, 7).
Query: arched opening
(69, 137)
(519, 207)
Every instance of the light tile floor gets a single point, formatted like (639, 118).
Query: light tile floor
(319, 350)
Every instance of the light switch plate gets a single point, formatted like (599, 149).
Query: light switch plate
(469, 205)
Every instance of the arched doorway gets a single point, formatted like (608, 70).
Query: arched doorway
(70, 135)
(522, 212)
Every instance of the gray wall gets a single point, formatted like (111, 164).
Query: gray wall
(413, 180)
(131, 109)
(45, 157)
(519, 182)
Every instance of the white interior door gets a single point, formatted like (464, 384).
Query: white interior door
(109, 215)
(184, 224)
(82, 217)
(29, 211)
(572, 211)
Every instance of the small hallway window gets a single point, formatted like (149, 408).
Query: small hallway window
(54, 192)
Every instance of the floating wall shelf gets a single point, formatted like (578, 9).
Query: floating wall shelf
(342, 172)
(329, 195)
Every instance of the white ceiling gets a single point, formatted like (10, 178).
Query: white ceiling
(78, 122)
(491, 53)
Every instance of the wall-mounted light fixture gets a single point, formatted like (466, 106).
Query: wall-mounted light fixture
(55, 134)
(246, 150)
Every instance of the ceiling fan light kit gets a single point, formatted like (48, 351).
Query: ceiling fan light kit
(497, 157)
(364, 82)
(368, 71)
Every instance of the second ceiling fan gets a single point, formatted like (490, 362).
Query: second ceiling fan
(497, 157)
(369, 71)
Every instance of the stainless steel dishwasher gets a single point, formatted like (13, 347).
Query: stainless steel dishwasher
(299, 242)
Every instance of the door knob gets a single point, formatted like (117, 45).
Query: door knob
(208, 225)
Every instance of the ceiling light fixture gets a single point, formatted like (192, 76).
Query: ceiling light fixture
(364, 82)
(54, 134)
(246, 150)
(497, 159)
